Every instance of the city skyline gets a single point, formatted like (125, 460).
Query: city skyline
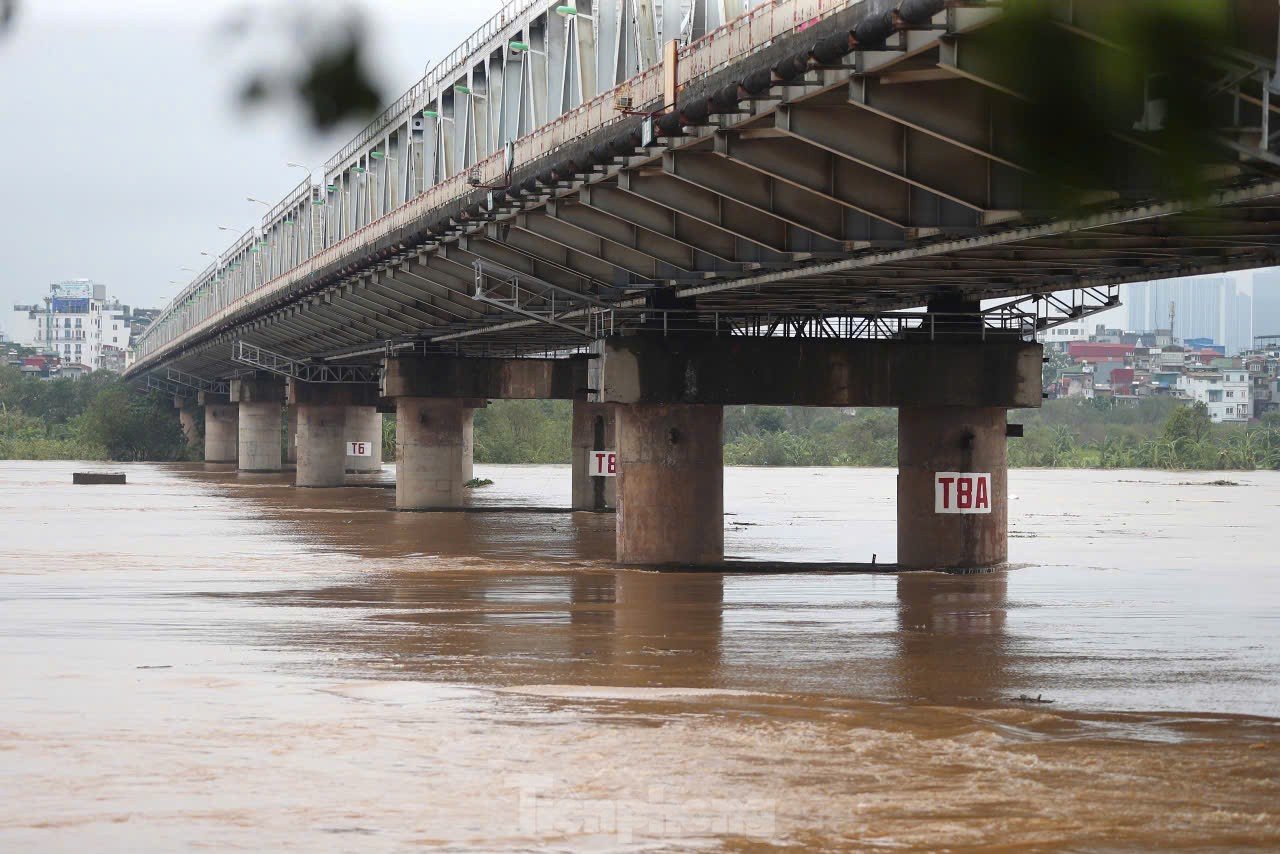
(1229, 308)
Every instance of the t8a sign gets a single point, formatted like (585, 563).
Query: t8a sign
(602, 463)
(962, 492)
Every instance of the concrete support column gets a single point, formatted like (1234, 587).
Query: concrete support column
(187, 418)
(670, 484)
(291, 433)
(321, 441)
(221, 432)
(594, 429)
(364, 424)
(938, 528)
(430, 447)
(259, 399)
(260, 437)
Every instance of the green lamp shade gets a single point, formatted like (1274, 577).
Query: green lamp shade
(518, 47)
(567, 10)
(431, 114)
(458, 87)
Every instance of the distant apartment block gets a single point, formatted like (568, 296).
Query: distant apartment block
(79, 324)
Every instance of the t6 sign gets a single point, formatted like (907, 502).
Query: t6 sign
(962, 492)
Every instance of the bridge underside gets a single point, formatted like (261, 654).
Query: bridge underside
(881, 180)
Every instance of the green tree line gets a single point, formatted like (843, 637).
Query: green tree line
(95, 417)
(99, 417)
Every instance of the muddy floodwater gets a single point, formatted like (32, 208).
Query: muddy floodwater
(212, 660)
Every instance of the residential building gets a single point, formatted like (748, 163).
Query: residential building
(78, 323)
(1226, 393)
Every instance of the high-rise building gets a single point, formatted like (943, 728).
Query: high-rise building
(1237, 322)
(76, 322)
(1266, 301)
(1137, 299)
(1202, 307)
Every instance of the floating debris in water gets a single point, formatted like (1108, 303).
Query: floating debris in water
(477, 482)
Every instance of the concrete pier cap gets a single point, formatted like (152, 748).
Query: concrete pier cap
(740, 370)
(483, 378)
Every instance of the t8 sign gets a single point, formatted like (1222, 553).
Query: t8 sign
(962, 492)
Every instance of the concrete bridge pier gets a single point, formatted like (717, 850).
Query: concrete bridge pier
(431, 452)
(364, 424)
(259, 400)
(321, 452)
(436, 397)
(187, 418)
(670, 484)
(594, 429)
(946, 519)
(221, 429)
(952, 390)
(324, 412)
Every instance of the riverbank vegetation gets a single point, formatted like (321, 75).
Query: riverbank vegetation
(1153, 433)
(95, 417)
(100, 417)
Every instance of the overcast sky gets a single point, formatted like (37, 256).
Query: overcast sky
(124, 147)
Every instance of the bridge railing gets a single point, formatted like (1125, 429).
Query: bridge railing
(439, 72)
(752, 31)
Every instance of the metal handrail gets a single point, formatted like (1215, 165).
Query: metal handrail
(293, 199)
(441, 70)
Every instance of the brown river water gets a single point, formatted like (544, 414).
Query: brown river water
(202, 659)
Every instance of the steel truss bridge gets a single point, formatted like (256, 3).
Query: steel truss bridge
(794, 167)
